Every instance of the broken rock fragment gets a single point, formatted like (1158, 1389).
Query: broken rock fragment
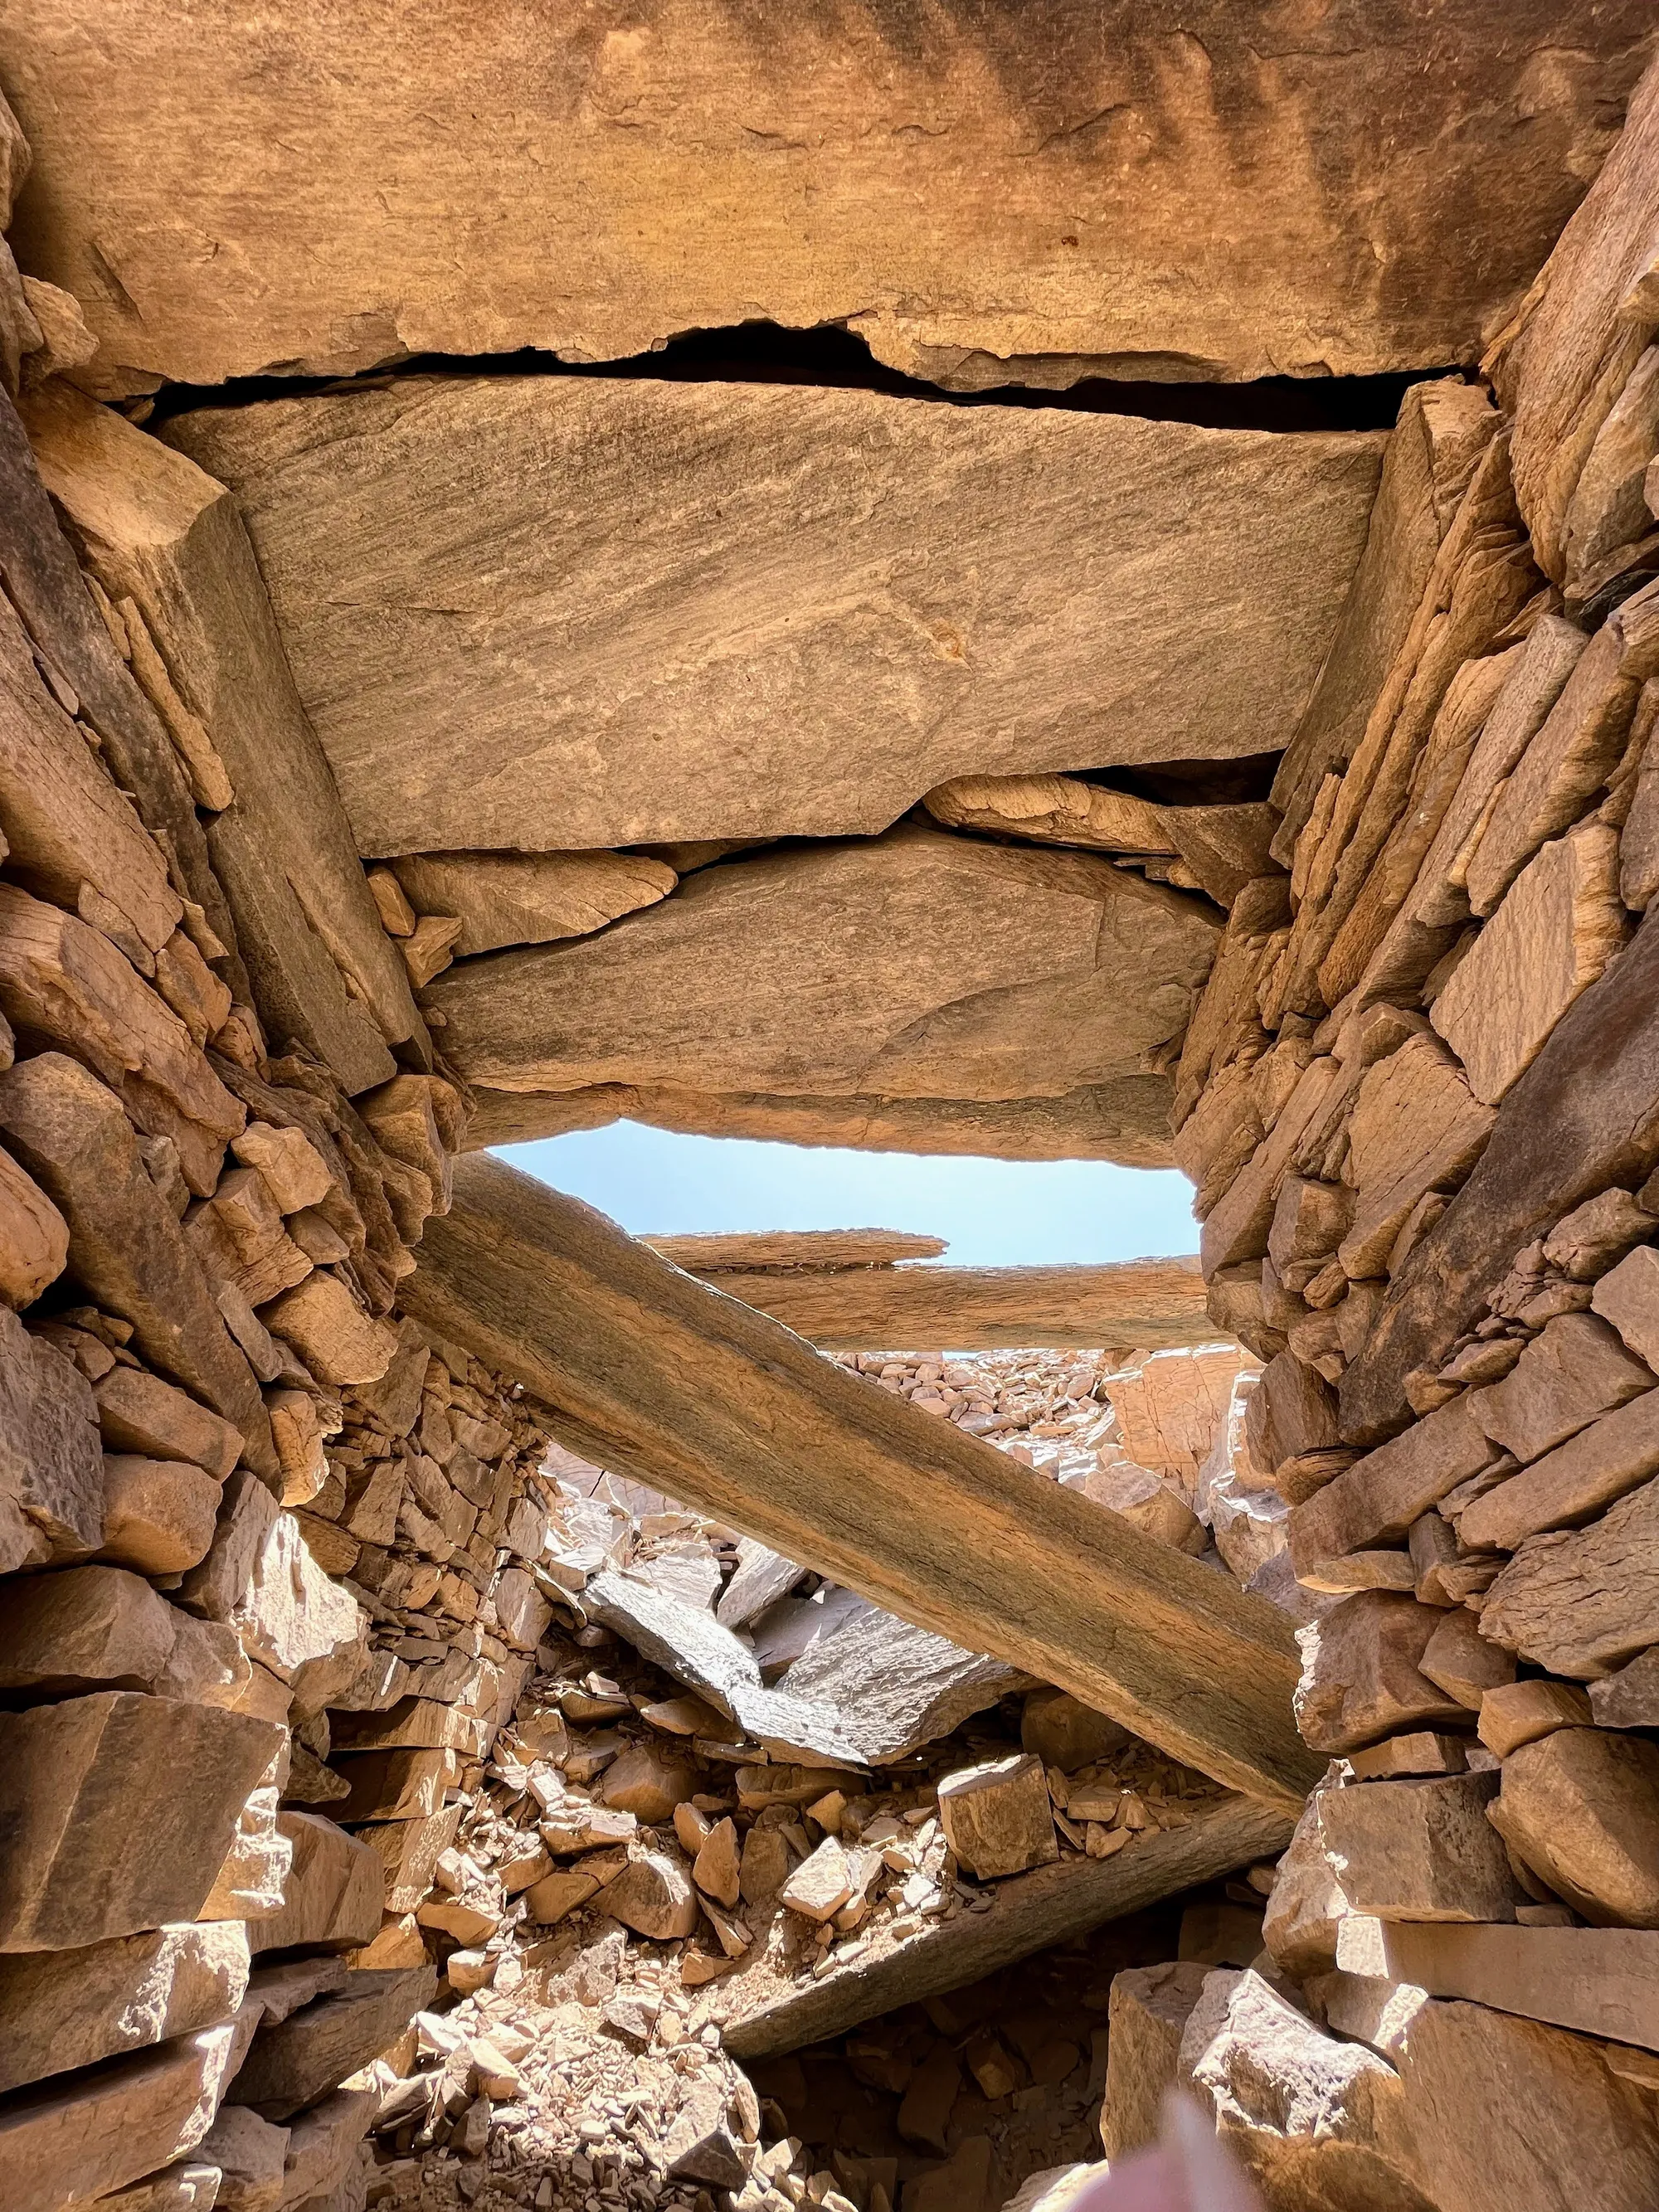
(1420, 1850)
(1581, 1807)
(996, 1817)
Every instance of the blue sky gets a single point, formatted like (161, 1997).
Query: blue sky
(993, 1212)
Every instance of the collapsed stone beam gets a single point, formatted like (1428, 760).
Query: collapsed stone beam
(1151, 1303)
(655, 1375)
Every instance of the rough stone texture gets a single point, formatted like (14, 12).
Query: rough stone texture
(918, 966)
(1150, 2008)
(64, 2009)
(1580, 1603)
(87, 1628)
(525, 898)
(1505, 2112)
(80, 1779)
(71, 2141)
(1573, 1482)
(293, 2062)
(1629, 1698)
(1576, 1368)
(652, 1895)
(1360, 1679)
(1582, 1118)
(1232, 219)
(1581, 1807)
(1315, 2121)
(1306, 1905)
(1513, 1713)
(1558, 926)
(996, 1817)
(1600, 1981)
(783, 639)
(51, 1471)
(1628, 1296)
(1419, 1850)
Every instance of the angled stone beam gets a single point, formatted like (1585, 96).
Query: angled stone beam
(1152, 1302)
(652, 1373)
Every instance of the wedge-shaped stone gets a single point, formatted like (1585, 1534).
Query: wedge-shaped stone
(336, 1339)
(250, 2154)
(88, 1628)
(1052, 809)
(1463, 1663)
(1629, 1698)
(699, 686)
(322, 2147)
(139, 1412)
(1306, 1906)
(1581, 1807)
(1513, 1713)
(654, 1896)
(125, 1245)
(1558, 926)
(1576, 1369)
(297, 2061)
(1572, 1483)
(1360, 1676)
(331, 1893)
(80, 1779)
(1376, 1499)
(1420, 1850)
(396, 1785)
(1416, 1126)
(87, 2138)
(1581, 1603)
(1574, 751)
(1507, 2112)
(408, 1852)
(168, 543)
(65, 2009)
(920, 966)
(530, 898)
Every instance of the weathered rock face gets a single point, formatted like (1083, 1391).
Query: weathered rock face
(548, 612)
(918, 966)
(980, 193)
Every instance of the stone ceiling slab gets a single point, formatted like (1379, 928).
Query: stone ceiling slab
(985, 188)
(550, 612)
(917, 965)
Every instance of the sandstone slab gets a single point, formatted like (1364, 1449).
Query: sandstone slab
(1419, 1850)
(89, 2136)
(65, 2009)
(920, 965)
(530, 898)
(654, 1896)
(80, 1778)
(1505, 2111)
(1580, 1603)
(1628, 1296)
(87, 1628)
(1581, 1807)
(1149, 2007)
(1572, 1483)
(1575, 1369)
(928, 174)
(293, 2063)
(661, 656)
(51, 1473)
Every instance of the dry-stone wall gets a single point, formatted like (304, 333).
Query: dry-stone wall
(278, 1525)
(1418, 1101)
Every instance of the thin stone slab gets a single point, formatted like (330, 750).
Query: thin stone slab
(1582, 1603)
(1120, 196)
(873, 1690)
(1027, 1913)
(65, 2009)
(1601, 1981)
(827, 603)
